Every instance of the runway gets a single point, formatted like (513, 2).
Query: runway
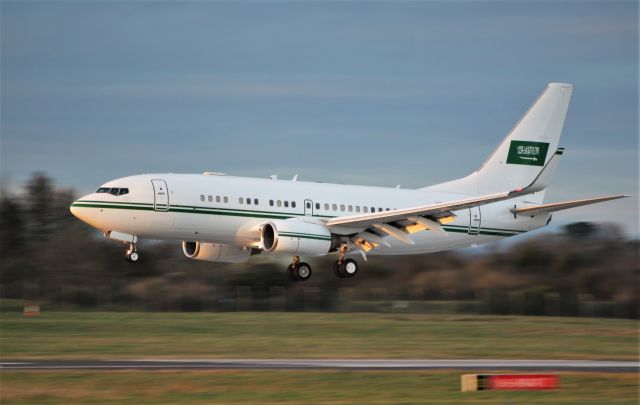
(337, 364)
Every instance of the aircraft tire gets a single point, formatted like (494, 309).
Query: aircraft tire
(336, 270)
(349, 268)
(302, 272)
(133, 257)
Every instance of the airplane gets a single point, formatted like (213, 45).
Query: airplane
(229, 219)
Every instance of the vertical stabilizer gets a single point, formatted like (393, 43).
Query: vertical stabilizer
(529, 146)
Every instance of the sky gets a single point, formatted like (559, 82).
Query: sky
(375, 93)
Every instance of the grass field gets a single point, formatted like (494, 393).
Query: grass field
(296, 387)
(101, 335)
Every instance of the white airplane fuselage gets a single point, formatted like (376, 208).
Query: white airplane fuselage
(181, 213)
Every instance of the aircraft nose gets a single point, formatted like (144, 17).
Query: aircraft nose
(77, 209)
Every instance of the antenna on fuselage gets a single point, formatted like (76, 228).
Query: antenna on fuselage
(295, 178)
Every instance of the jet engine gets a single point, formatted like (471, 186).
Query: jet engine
(296, 237)
(215, 252)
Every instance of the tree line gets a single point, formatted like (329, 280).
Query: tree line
(51, 258)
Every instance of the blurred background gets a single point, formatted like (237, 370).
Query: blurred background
(52, 259)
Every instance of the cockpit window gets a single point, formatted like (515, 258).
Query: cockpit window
(113, 190)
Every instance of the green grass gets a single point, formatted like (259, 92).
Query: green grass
(296, 387)
(102, 335)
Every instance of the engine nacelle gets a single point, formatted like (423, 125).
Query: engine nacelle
(294, 236)
(215, 252)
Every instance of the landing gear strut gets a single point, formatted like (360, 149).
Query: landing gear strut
(344, 268)
(132, 253)
(299, 271)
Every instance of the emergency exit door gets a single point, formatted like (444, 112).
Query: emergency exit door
(308, 208)
(475, 219)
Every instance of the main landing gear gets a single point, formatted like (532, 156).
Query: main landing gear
(344, 268)
(132, 253)
(299, 271)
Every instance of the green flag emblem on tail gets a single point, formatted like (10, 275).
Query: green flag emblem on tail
(527, 153)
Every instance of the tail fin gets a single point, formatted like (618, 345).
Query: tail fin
(526, 150)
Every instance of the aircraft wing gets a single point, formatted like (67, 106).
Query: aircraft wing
(367, 220)
(547, 208)
(369, 230)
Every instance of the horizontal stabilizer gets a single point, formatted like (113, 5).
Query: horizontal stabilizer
(547, 208)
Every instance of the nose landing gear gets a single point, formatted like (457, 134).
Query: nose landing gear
(132, 253)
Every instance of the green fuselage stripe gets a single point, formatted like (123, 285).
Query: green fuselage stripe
(186, 209)
(304, 235)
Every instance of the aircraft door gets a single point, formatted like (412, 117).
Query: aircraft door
(475, 219)
(160, 195)
(308, 208)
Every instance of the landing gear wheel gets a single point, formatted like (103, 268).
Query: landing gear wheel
(336, 269)
(133, 256)
(302, 272)
(132, 253)
(349, 268)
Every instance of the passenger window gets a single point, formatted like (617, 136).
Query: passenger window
(286, 204)
(201, 197)
(217, 198)
(293, 204)
(241, 200)
(255, 201)
(365, 209)
(342, 207)
(335, 207)
(317, 206)
(350, 208)
(326, 206)
(279, 203)
(226, 199)
(210, 198)
(357, 208)
(248, 201)
(379, 209)
(373, 209)
(388, 209)
(271, 203)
